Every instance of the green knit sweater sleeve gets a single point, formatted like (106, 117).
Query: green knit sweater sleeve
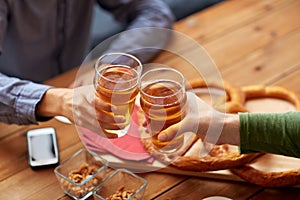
(277, 133)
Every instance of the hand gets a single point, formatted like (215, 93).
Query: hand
(89, 110)
(81, 107)
(198, 119)
(210, 125)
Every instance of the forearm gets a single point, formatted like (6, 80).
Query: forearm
(18, 100)
(277, 133)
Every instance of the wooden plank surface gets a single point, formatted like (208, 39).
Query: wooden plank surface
(195, 188)
(227, 49)
(222, 19)
(265, 63)
(282, 193)
(251, 41)
(226, 17)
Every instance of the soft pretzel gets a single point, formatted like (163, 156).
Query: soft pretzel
(262, 178)
(234, 99)
(220, 157)
(268, 179)
(260, 91)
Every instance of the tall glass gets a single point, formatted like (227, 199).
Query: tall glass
(163, 100)
(116, 79)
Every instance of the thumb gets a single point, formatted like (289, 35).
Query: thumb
(169, 133)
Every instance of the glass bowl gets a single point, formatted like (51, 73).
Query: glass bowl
(121, 184)
(81, 173)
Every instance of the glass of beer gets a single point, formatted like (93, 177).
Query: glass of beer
(163, 98)
(116, 82)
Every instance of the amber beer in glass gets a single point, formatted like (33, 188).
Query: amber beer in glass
(163, 99)
(116, 82)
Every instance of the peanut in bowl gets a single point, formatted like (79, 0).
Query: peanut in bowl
(81, 173)
(121, 185)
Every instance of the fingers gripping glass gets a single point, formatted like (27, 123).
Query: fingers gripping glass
(163, 99)
(115, 82)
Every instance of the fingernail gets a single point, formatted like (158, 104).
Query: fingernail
(162, 137)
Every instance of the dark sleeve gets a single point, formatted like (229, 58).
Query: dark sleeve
(140, 13)
(277, 133)
(148, 26)
(3, 22)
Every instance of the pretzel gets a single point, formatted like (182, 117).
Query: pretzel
(233, 100)
(260, 91)
(268, 179)
(262, 178)
(214, 160)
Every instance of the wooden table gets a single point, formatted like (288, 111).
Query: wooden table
(251, 42)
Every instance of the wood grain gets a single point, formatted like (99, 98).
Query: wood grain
(251, 41)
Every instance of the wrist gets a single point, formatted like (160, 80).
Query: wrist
(52, 103)
(230, 133)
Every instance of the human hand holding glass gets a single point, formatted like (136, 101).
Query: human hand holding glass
(162, 98)
(116, 79)
(78, 105)
(203, 119)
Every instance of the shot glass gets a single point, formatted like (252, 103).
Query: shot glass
(116, 79)
(163, 99)
(121, 184)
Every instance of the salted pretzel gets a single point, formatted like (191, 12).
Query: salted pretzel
(273, 178)
(233, 100)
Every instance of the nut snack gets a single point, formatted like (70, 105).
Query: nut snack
(81, 173)
(78, 176)
(122, 194)
(119, 185)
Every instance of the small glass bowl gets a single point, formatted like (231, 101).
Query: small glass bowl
(121, 183)
(81, 173)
